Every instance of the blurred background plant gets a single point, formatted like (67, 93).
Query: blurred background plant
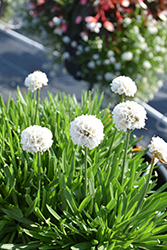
(98, 40)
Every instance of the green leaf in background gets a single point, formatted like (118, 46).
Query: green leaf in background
(19, 246)
(16, 214)
(70, 200)
(82, 246)
(54, 213)
(84, 203)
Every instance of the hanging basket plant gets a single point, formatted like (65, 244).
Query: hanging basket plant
(100, 40)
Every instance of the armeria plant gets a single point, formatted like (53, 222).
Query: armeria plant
(98, 40)
(93, 190)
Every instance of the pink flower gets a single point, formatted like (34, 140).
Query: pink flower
(55, 8)
(108, 26)
(90, 19)
(41, 1)
(105, 6)
(51, 24)
(78, 19)
(64, 27)
(83, 2)
(58, 31)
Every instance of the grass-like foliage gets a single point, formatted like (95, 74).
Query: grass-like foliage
(115, 214)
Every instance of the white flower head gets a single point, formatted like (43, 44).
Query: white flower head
(147, 64)
(95, 56)
(123, 85)
(58, 31)
(36, 139)
(87, 49)
(108, 76)
(158, 148)
(57, 20)
(80, 48)
(129, 115)
(110, 53)
(98, 62)
(112, 59)
(153, 30)
(66, 55)
(66, 39)
(91, 64)
(127, 56)
(84, 36)
(94, 26)
(73, 44)
(87, 130)
(36, 80)
(126, 21)
(106, 62)
(160, 83)
(118, 66)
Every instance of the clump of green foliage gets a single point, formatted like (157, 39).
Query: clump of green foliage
(111, 216)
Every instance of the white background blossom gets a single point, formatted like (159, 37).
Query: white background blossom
(86, 130)
(127, 56)
(94, 27)
(140, 38)
(36, 139)
(108, 76)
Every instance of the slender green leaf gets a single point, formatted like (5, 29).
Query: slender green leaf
(81, 246)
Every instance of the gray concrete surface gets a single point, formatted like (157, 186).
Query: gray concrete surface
(18, 59)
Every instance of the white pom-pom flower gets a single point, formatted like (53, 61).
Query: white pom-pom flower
(123, 85)
(129, 115)
(36, 139)
(127, 56)
(158, 148)
(87, 130)
(36, 80)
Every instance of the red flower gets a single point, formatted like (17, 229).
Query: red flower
(108, 26)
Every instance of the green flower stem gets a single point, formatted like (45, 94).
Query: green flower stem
(33, 95)
(144, 191)
(36, 108)
(125, 156)
(122, 97)
(115, 131)
(39, 178)
(85, 179)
